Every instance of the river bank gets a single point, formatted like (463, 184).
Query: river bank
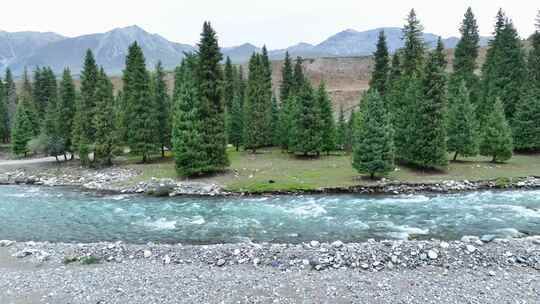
(494, 270)
(127, 181)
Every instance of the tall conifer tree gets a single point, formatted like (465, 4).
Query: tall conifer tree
(503, 73)
(373, 151)
(328, 125)
(188, 125)
(4, 115)
(379, 77)
(465, 57)
(83, 130)
(462, 127)
(209, 77)
(104, 120)
(341, 132)
(306, 126)
(163, 108)
(142, 124)
(66, 108)
(22, 129)
(255, 111)
(496, 140)
(428, 144)
(11, 96)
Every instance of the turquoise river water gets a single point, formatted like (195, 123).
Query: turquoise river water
(69, 215)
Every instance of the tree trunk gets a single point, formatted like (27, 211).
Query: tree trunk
(372, 174)
(162, 151)
(455, 156)
(494, 160)
(237, 148)
(56, 157)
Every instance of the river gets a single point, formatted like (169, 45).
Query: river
(71, 215)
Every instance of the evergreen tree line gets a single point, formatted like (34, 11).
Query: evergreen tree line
(416, 112)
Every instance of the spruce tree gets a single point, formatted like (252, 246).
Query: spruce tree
(274, 121)
(285, 121)
(255, 106)
(83, 130)
(299, 79)
(328, 125)
(465, 57)
(349, 135)
(407, 91)
(163, 105)
(44, 90)
(341, 132)
(56, 145)
(462, 128)
(373, 151)
(267, 86)
(142, 123)
(11, 96)
(66, 108)
(25, 96)
(287, 78)
(379, 77)
(414, 49)
(4, 115)
(503, 73)
(188, 125)
(306, 135)
(236, 123)
(428, 142)
(526, 126)
(209, 77)
(496, 141)
(104, 120)
(22, 130)
(228, 83)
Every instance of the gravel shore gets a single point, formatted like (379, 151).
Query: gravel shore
(466, 271)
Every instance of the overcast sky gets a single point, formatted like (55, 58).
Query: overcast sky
(276, 23)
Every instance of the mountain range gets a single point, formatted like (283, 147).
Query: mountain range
(31, 49)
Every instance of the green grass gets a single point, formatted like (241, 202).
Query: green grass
(272, 170)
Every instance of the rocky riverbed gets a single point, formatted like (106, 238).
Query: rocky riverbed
(125, 180)
(471, 270)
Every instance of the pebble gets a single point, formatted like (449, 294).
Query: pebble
(314, 244)
(147, 254)
(433, 255)
(220, 262)
(166, 259)
(470, 248)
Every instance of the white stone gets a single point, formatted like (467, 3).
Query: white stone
(337, 244)
(314, 244)
(444, 245)
(432, 254)
(470, 248)
(147, 253)
(167, 259)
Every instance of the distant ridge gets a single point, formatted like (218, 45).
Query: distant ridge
(30, 49)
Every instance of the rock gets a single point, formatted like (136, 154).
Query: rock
(256, 261)
(487, 238)
(444, 245)
(432, 254)
(220, 262)
(469, 239)
(423, 256)
(6, 243)
(166, 260)
(236, 251)
(314, 244)
(147, 254)
(364, 266)
(470, 248)
(491, 273)
(23, 253)
(337, 244)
